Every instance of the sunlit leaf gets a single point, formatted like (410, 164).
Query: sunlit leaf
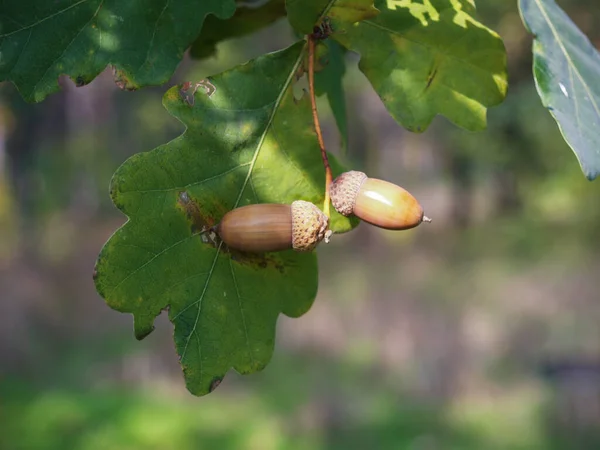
(566, 67)
(430, 58)
(248, 139)
(143, 39)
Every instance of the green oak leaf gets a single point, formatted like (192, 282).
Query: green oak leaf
(143, 39)
(246, 20)
(430, 58)
(566, 67)
(248, 140)
(328, 81)
(303, 15)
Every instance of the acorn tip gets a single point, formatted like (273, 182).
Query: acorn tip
(427, 219)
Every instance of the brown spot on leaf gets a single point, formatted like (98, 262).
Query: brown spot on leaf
(261, 261)
(209, 88)
(199, 221)
(185, 95)
(215, 384)
(431, 76)
(122, 80)
(188, 90)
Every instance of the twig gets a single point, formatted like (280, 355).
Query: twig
(311, 87)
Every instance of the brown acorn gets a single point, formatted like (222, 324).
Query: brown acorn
(377, 202)
(272, 227)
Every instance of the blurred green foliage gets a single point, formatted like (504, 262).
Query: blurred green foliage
(506, 276)
(273, 414)
(299, 402)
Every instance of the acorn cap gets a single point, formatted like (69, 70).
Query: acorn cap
(344, 190)
(309, 226)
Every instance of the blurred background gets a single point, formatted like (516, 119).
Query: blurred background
(479, 331)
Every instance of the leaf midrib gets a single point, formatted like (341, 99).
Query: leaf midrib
(51, 16)
(67, 47)
(326, 10)
(567, 57)
(236, 204)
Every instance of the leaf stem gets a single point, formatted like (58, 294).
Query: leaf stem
(311, 87)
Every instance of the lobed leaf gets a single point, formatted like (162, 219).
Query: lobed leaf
(247, 140)
(429, 58)
(143, 39)
(566, 68)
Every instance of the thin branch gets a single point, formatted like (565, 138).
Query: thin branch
(311, 87)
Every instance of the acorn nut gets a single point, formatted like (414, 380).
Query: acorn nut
(271, 227)
(377, 202)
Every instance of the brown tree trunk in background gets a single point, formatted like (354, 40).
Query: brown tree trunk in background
(461, 186)
(87, 110)
(508, 200)
(522, 162)
(40, 127)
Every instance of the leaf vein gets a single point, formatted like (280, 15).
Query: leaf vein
(269, 123)
(152, 252)
(244, 184)
(26, 27)
(187, 186)
(237, 292)
(429, 46)
(199, 346)
(157, 255)
(567, 56)
(199, 303)
(576, 103)
(20, 54)
(68, 46)
(151, 43)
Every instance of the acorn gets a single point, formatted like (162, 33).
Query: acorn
(272, 227)
(377, 202)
